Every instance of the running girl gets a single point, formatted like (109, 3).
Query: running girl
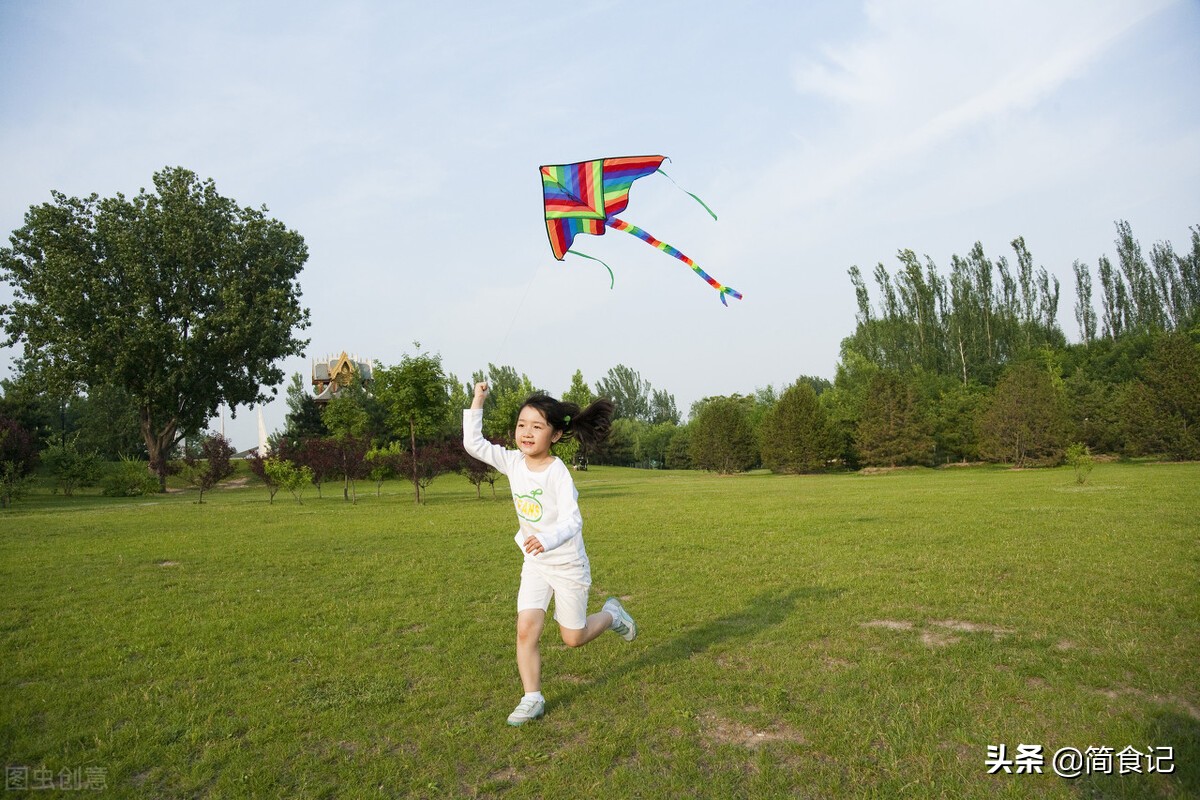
(551, 531)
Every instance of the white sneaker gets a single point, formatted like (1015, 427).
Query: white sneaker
(622, 624)
(526, 710)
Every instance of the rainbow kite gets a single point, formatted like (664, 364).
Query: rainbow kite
(586, 196)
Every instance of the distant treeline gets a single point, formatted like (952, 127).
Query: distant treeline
(969, 365)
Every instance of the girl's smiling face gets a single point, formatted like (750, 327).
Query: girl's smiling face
(534, 434)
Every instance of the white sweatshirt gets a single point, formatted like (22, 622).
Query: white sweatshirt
(546, 502)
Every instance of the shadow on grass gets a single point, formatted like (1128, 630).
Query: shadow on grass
(1172, 729)
(764, 611)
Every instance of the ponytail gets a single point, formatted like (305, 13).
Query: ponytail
(589, 426)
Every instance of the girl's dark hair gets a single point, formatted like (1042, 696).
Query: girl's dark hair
(589, 425)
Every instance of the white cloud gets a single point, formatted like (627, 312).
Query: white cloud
(924, 73)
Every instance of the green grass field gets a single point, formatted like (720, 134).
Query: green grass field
(825, 636)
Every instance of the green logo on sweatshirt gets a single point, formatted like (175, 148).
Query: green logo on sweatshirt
(528, 506)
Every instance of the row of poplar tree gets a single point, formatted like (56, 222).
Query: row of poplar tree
(972, 365)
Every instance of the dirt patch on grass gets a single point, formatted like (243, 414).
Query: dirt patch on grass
(734, 661)
(719, 730)
(970, 627)
(829, 662)
(1161, 699)
(885, 470)
(939, 633)
(890, 624)
(937, 639)
(167, 563)
(576, 680)
(236, 483)
(1089, 488)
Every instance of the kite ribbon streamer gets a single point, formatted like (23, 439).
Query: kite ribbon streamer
(622, 225)
(612, 281)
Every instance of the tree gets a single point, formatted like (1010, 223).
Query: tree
(24, 404)
(629, 393)
(415, 397)
(652, 443)
(844, 403)
(18, 458)
(279, 473)
(662, 408)
(347, 420)
(178, 296)
(678, 455)
(960, 326)
(210, 466)
(1085, 314)
(287, 475)
(384, 463)
(1025, 420)
(320, 456)
(953, 409)
(478, 473)
(893, 431)
(17, 446)
(1094, 410)
(795, 434)
(620, 447)
(721, 438)
(1162, 409)
(258, 466)
(107, 423)
(431, 460)
(578, 392)
(304, 413)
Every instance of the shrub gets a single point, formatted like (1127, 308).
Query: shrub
(1080, 458)
(72, 468)
(130, 478)
(13, 483)
(283, 474)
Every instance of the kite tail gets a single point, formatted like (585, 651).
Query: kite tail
(621, 225)
(689, 194)
(611, 280)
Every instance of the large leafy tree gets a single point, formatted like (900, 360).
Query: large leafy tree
(178, 296)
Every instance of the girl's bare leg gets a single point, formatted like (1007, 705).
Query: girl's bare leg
(529, 658)
(595, 625)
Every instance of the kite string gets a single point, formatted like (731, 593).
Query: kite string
(516, 312)
(711, 213)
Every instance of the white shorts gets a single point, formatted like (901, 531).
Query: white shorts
(568, 585)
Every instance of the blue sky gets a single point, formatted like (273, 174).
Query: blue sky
(402, 141)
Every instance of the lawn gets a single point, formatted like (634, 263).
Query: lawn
(819, 636)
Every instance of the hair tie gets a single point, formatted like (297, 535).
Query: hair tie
(566, 419)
